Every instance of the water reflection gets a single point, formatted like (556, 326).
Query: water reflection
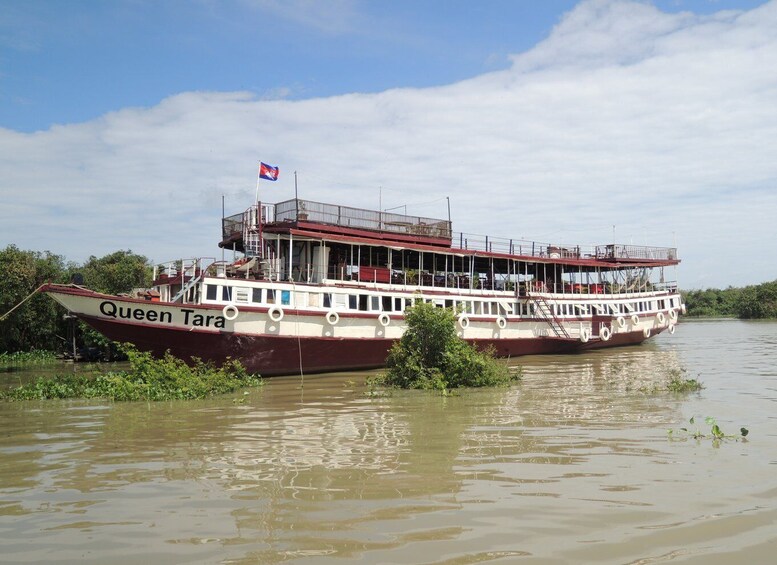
(302, 470)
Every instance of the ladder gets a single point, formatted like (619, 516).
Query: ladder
(544, 310)
(252, 238)
(185, 288)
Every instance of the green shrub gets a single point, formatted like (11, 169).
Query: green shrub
(34, 357)
(431, 356)
(168, 378)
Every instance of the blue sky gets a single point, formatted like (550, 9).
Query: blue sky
(123, 123)
(71, 61)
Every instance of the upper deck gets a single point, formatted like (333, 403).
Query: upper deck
(307, 218)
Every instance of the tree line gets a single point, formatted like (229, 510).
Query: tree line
(748, 303)
(40, 324)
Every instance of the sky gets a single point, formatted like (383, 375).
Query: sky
(124, 123)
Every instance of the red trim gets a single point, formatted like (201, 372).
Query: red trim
(372, 238)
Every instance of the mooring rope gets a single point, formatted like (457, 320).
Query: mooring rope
(34, 292)
(296, 329)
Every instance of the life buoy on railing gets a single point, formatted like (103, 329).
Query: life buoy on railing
(230, 311)
(275, 313)
(384, 319)
(621, 322)
(501, 321)
(671, 328)
(646, 332)
(660, 318)
(673, 315)
(463, 322)
(584, 336)
(605, 333)
(332, 317)
(634, 319)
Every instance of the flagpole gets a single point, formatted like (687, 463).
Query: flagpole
(296, 198)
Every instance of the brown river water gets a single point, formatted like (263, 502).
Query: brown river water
(574, 464)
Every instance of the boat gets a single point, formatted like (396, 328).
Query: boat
(315, 287)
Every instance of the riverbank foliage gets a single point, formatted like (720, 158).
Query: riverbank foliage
(39, 324)
(147, 378)
(431, 356)
(27, 358)
(749, 303)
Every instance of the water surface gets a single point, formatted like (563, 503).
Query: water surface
(573, 464)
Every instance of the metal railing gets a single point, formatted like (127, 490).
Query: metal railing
(345, 216)
(529, 248)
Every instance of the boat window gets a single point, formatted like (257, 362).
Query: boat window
(257, 295)
(386, 303)
(449, 304)
(211, 291)
(314, 299)
(398, 305)
(241, 295)
(270, 296)
(285, 297)
(363, 302)
(353, 301)
(327, 300)
(226, 293)
(375, 303)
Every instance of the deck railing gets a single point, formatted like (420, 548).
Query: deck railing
(528, 248)
(345, 216)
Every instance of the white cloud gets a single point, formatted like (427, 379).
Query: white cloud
(663, 125)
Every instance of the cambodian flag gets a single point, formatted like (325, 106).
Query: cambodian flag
(268, 172)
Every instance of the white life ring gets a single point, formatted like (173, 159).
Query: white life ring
(501, 322)
(463, 322)
(646, 332)
(634, 319)
(230, 311)
(332, 317)
(660, 318)
(621, 322)
(604, 333)
(584, 337)
(671, 328)
(673, 315)
(384, 319)
(275, 313)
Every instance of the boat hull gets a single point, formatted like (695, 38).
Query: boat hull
(190, 331)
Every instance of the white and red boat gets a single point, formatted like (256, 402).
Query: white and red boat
(316, 287)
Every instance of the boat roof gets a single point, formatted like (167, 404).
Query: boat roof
(342, 224)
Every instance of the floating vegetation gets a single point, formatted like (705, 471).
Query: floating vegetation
(715, 434)
(168, 378)
(675, 380)
(679, 383)
(24, 358)
(431, 356)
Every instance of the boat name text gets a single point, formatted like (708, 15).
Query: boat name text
(190, 317)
